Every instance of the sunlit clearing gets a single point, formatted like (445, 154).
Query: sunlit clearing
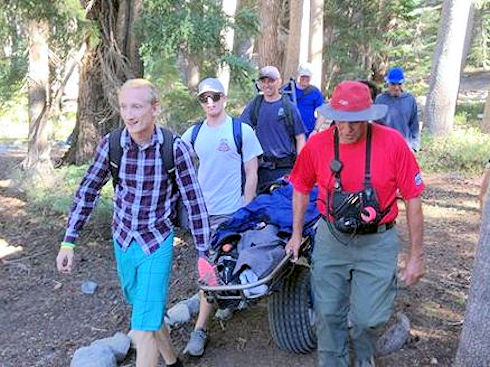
(442, 212)
(6, 249)
(6, 183)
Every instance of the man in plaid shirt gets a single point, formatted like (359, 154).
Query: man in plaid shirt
(143, 206)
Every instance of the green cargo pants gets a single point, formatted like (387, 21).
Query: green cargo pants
(358, 279)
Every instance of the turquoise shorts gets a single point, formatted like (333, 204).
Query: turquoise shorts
(144, 281)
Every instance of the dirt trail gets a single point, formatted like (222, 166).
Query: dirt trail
(45, 317)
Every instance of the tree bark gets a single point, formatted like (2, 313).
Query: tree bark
(485, 125)
(229, 9)
(267, 42)
(328, 64)
(468, 39)
(189, 69)
(91, 109)
(127, 42)
(315, 54)
(304, 42)
(294, 38)
(474, 343)
(38, 158)
(105, 67)
(446, 66)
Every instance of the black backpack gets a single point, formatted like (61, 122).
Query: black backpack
(166, 151)
(237, 136)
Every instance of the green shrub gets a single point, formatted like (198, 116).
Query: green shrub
(464, 150)
(55, 193)
(14, 122)
(467, 113)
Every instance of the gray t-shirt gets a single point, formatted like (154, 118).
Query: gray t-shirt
(220, 166)
(272, 130)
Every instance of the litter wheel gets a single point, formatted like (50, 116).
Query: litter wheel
(290, 309)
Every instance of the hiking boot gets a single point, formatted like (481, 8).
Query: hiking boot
(365, 362)
(197, 342)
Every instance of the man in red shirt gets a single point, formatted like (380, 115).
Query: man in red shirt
(359, 167)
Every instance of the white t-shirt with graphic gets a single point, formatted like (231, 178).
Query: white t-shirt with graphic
(219, 171)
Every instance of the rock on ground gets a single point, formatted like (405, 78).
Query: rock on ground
(95, 355)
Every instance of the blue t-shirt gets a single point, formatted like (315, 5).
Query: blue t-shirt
(272, 130)
(307, 104)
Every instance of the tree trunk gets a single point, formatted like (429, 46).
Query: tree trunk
(38, 158)
(446, 65)
(129, 45)
(189, 69)
(104, 69)
(474, 343)
(315, 54)
(469, 36)
(268, 42)
(228, 34)
(328, 63)
(294, 38)
(304, 42)
(91, 107)
(16, 39)
(485, 125)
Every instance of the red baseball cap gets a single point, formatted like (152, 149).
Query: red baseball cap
(351, 101)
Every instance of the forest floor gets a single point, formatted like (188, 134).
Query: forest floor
(45, 317)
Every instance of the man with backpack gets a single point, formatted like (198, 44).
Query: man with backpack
(278, 125)
(151, 168)
(227, 151)
(308, 97)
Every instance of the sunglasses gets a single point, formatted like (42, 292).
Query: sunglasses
(204, 98)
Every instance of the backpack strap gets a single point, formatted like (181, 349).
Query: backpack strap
(115, 154)
(195, 132)
(288, 113)
(167, 152)
(238, 137)
(254, 115)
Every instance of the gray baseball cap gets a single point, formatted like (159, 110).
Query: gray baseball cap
(210, 85)
(269, 71)
(305, 69)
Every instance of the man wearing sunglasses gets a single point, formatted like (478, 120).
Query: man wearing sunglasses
(221, 159)
(278, 125)
(402, 108)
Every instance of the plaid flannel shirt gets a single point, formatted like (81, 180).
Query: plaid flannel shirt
(145, 198)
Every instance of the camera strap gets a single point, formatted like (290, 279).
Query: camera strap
(367, 167)
(368, 187)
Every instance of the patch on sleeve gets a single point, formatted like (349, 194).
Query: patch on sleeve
(418, 179)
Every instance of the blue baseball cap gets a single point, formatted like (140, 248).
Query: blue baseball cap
(395, 75)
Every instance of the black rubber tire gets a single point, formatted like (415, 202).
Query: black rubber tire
(291, 314)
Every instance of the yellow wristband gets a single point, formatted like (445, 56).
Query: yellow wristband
(67, 245)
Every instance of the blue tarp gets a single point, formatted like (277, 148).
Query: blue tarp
(274, 208)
